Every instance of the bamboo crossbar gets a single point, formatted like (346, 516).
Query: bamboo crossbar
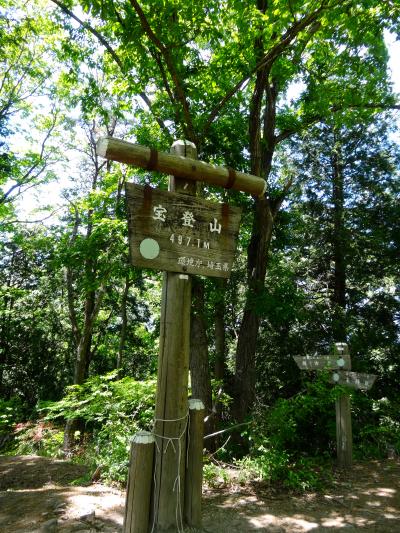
(181, 167)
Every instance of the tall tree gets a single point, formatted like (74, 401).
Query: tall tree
(347, 239)
(26, 76)
(202, 69)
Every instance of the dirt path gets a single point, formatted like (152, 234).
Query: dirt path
(36, 496)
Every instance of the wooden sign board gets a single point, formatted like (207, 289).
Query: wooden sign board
(323, 362)
(180, 233)
(354, 380)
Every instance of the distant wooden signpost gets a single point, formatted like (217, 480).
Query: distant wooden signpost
(175, 232)
(340, 363)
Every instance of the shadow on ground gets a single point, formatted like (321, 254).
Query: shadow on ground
(367, 498)
(35, 491)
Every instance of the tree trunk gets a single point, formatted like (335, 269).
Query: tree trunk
(124, 322)
(83, 335)
(220, 337)
(4, 327)
(81, 369)
(338, 241)
(262, 143)
(245, 381)
(199, 365)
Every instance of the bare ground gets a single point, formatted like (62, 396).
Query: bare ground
(36, 496)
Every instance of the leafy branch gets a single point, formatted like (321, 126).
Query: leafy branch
(115, 57)
(269, 58)
(165, 53)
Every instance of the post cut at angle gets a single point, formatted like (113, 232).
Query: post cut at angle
(181, 167)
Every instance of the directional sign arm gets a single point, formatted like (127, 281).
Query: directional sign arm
(354, 380)
(323, 362)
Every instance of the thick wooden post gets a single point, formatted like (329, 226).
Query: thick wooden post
(194, 467)
(344, 436)
(140, 478)
(171, 416)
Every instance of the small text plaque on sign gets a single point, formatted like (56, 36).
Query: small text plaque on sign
(180, 233)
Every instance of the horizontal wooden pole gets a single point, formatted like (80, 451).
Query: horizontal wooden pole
(181, 167)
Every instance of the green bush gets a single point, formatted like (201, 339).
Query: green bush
(113, 411)
(279, 468)
(12, 411)
(38, 438)
(376, 427)
(291, 442)
(294, 442)
(302, 424)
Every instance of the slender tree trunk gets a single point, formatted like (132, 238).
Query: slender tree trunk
(4, 327)
(83, 335)
(199, 363)
(338, 241)
(81, 368)
(83, 354)
(245, 375)
(220, 337)
(124, 321)
(262, 142)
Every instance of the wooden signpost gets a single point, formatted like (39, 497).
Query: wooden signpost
(340, 363)
(175, 232)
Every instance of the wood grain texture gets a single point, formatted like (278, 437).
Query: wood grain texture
(172, 392)
(194, 467)
(344, 436)
(181, 167)
(138, 492)
(194, 236)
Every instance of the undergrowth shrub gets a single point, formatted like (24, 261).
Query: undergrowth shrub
(294, 441)
(291, 441)
(12, 411)
(113, 411)
(38, 438)
(376, 427)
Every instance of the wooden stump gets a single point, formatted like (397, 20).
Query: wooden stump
(140, 478)
(194, 467)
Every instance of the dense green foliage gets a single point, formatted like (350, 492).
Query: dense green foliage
(112, 410)
(296, 92)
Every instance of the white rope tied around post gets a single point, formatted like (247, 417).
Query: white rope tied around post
(177, 482)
